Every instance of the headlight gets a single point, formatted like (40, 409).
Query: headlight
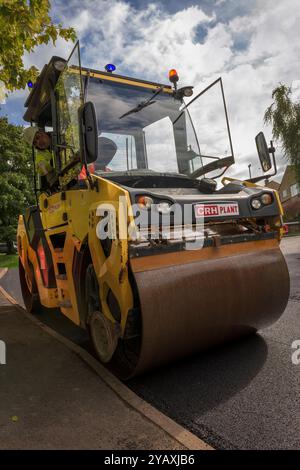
(266, 199)
(145, 202)
(256, 203)
(163, 207)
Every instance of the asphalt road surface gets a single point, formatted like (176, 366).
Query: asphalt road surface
(245, 395)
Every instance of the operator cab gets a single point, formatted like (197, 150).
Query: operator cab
(134, 132)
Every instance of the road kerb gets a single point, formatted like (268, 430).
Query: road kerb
(173, 429)
(3, 271)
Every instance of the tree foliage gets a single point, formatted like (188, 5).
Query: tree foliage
(24, 24)
(284, 116)
(16, 178)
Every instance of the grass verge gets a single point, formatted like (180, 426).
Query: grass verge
(8, 261)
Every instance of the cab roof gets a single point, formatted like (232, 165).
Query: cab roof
(38, 101)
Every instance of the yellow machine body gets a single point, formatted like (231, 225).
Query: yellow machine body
(157, 301)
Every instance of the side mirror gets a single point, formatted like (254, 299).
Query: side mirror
(88, 133)
(263, 152)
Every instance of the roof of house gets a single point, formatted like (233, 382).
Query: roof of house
(289, 177)
(272, 185)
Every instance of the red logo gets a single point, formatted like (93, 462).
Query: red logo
(216, 210)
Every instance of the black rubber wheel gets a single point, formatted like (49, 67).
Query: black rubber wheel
(103, 335)
(29, 290)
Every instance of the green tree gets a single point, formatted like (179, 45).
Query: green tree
(16, 179)
(284, 116)
(25, 24)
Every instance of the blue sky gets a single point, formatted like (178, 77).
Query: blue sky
(252, 44)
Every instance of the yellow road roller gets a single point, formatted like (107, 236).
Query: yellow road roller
(138, 237)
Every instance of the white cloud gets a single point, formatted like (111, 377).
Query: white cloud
(296, 90)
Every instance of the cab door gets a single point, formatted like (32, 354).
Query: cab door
(202, 133)
(56, 207)
(69, 98)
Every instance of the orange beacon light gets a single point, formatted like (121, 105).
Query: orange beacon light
(173, 76)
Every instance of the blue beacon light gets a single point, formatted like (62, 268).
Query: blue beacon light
(110, 68)
(30, 84)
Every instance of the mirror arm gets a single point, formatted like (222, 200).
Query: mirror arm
(272, 152)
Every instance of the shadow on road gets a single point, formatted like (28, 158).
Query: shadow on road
(212, 377)
(198, 384)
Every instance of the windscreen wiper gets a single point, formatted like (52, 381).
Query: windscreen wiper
(143, 104)
(223, 162)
